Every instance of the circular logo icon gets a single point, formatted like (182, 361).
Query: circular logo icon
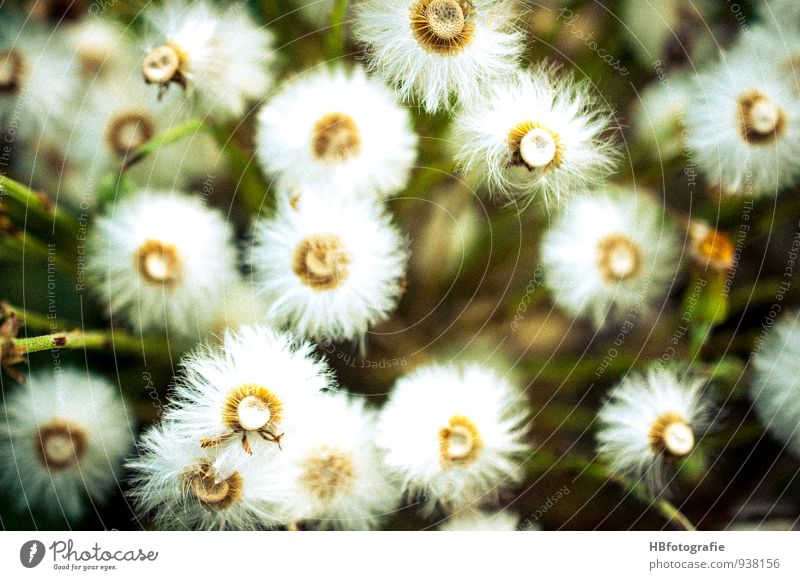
(31, 553)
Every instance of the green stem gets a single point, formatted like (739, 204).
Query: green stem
(31, 320)
(667, 509)
(335, 42)
(640, 492)
(119, 342)
(20, 245)
(168, 137)
(38, 206)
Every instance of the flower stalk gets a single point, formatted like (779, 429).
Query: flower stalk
(26, 203)
(335, 43)
(109, 341)
(167, 138)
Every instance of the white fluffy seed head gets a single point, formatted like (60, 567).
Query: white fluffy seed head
(118, 115)
(439, 49)
(221, 57)
(454, 435)
(330, 267)
(355, 140)
(339, 477)
(251, 396)
(606, 254)
(183, 486)
(39, 80)
(63, 440)
(103, 49)
(651, 418)
(659, 116)
(155, 271)
(744, 126)
(541, 134)
(776, 387)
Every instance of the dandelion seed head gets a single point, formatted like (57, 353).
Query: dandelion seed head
(744, 126)
(540, 134)
(338, 475)
(775, 389)
(649, 419)
(63, 441)
(328, 267)
(249, 397)
(220, 57)
(355, 141)
(155, 271)
(607, 252)
(453, 435)
(439, 51)
(185, 486)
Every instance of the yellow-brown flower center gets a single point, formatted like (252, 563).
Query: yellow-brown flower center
(252, 408)
(442, 27)
(165, 64)
(459, 442)
(92, 59)
(534, 146)
(321, 262)
(336, 138)
(128, 131)
(249, 409)
(670, 434)
(159, 263)
(619, 258)
(761, 120)
(328, 472)
(211, 491)
(12, 69)
(61, 444)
